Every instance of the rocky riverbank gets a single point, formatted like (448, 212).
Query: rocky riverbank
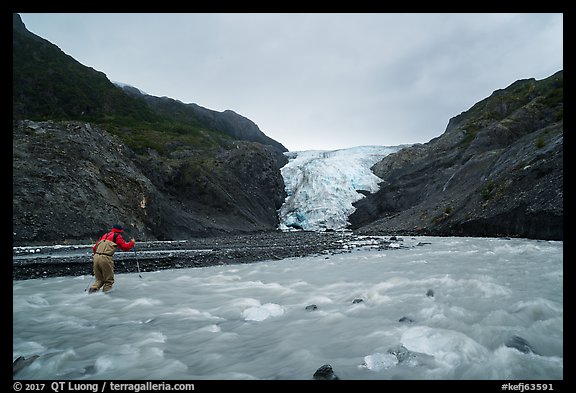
(75, 260)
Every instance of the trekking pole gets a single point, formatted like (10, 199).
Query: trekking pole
(137, 264)
(89, 282)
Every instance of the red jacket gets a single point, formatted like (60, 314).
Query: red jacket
(122, 244)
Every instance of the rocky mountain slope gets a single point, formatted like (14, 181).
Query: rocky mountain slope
(71, 180)
(496, 171)
(87, 155)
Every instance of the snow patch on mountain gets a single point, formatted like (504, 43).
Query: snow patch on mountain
(123, 85)
(322, 185)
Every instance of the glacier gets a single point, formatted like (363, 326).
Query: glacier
(322, 185)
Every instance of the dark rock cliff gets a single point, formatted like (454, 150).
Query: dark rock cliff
(72, 180)
(496, 171)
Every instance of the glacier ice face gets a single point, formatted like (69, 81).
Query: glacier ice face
(322, 185)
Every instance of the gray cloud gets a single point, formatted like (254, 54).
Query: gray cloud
(318, 81)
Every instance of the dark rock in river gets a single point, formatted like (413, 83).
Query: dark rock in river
(325, 373)
(520, 344)
(22, 362)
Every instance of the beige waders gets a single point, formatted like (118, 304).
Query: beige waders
(104, 266)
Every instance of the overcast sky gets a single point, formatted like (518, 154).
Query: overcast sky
(317, 81)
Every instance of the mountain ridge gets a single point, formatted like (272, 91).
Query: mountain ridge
(227, 121)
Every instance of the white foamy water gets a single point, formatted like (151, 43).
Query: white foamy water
(250, 321)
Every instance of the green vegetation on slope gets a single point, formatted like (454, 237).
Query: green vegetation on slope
(50, 85)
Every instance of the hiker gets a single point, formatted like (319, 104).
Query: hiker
(104, 250)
